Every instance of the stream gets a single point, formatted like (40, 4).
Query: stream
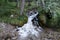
(29, 31)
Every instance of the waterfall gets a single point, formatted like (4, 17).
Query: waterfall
(28, 31)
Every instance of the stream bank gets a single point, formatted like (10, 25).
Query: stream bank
(8, 30)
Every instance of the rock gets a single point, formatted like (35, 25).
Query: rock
(7, 31)
(50, 35)
(12, 16)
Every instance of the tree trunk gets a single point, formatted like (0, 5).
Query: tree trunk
(43, 4)
(17, 3)
(22, 7)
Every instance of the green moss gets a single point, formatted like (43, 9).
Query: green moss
(54, 22)
(17, 21)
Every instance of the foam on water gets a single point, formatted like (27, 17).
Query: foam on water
(28, 31)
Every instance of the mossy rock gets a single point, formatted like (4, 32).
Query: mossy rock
(54, 22)
(19, 21)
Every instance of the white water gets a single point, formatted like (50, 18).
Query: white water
(28, 31)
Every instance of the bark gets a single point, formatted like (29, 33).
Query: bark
(22, 6)
(17, 3)
(43, 4)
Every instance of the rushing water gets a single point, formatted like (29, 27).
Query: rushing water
(28, 31)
